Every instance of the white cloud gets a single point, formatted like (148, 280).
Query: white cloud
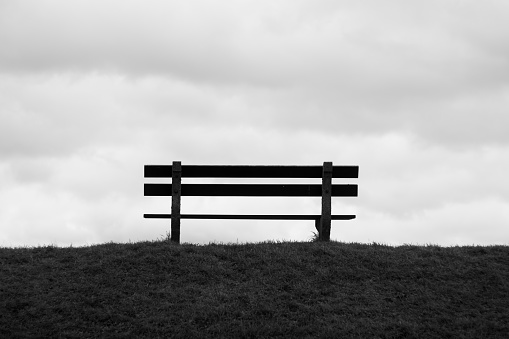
(408, 192)
(433, 68)
(480, 222)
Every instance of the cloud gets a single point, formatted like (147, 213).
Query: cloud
(435, 69)
(480, 222)
(433, 47)
(408, 191)
(55, 114)
(242, 41)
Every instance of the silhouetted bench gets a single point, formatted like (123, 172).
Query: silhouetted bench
(326, 190)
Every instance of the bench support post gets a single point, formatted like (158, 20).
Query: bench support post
(325, 220)
(176, 193)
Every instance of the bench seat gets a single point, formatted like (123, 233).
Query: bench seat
(252, 216)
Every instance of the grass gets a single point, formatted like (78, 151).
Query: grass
(285, 290)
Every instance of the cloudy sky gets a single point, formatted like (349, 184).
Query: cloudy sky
(414, 92)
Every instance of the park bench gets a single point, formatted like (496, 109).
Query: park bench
(177, 189)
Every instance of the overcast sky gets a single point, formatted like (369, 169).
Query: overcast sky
(414, 92)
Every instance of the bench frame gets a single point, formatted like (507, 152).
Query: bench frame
(326, 190)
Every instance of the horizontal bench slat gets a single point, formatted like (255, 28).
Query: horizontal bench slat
(250, 171)
(251, 190)
(251, 216)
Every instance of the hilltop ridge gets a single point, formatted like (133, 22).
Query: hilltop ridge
(270, 289)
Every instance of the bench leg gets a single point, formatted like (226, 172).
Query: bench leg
(176, 187)
(325, 220)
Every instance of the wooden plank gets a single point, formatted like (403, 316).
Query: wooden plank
(251, 216)
(249, 171)
(251, 190)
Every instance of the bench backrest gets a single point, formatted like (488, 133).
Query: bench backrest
(251, 190)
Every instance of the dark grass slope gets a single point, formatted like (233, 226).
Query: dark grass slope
(287, 290)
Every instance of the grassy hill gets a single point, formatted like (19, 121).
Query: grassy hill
(286, 290)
